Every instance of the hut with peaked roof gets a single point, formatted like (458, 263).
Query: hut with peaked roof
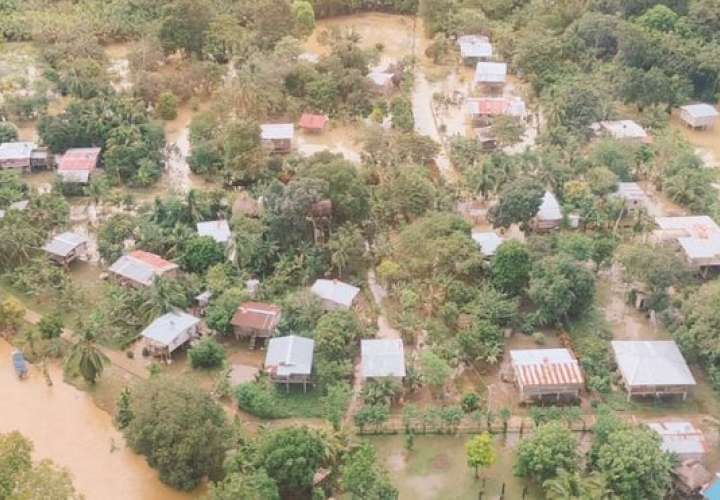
(474, 48)
(699, 116)
(140, 268)
(277, 137)
(313, 123)
(549, 215)
(289, 360)
(255, 320)
(66, 247)
(546, 372)
(334, 294)
(652, 368)
(382, 358)
(169, 332)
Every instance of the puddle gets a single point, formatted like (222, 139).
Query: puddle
(66, 426)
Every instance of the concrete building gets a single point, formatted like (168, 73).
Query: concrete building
(382, 358)
(701, 115)
(546, 372)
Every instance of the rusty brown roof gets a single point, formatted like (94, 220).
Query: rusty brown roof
(256, 315)
(542, 367)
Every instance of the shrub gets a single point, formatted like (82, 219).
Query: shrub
(259, 399)
(167, 106)
(8, 132)
(470, 402)
(206, 354)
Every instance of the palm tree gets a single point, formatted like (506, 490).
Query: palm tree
(572, 486)
(85, 357)
(164, 295)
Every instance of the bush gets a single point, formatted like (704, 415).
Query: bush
(259, 399)
(470, 402)
(8, 132)
(167, 106)
(206, 354)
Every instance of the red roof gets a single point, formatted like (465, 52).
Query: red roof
(152, 260)
(313, 122)
(489, 106)
(550, 374)
(256, 316)
(79, 159)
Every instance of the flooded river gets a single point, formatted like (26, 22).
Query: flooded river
(66, 426)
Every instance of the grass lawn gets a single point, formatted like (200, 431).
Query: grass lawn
(300, 405)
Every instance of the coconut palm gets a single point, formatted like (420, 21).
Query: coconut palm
(164, 295)
(85, 357)
(571, 486)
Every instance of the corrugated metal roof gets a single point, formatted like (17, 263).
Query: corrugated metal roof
(382, 358)
(256, 315)
(335, 291)
(277, 131)
(312, 122)
(219, 230)
(543, 367)
(64, 243)
(630, 191)
(490, 72)
(75, 176)
(474, 46)
(700, 110)
(141, 267)
(622, 129)
(649, 363)
(681, 438)
(291, 355)
(698, 235)
(168, 327)
(20, 151)
(79, 159)
(487, 241)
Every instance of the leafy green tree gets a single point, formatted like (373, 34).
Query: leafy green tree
(335, 403)
(123, 411)
(112, 236)
(167, 106)
(550, 448)
(50, 326)
(572, 486)
(362, 477)
(659, 18)
(435, 370)
(221, 310)
(519, 201)
(15, 457)
(304, 17)
(250, 486)
(402, 115)
(163, 296)
(12, 314)
(291, 456)
(181, 431)
(206, 354)
(85, 357)
(480, 452)
(259, 398)
(510, 267)
(346, 247)
(508, 130)
(184, 27)
(201, 252)
(8, 132)
(560, 288)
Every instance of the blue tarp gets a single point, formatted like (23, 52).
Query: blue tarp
(713, 490)
(19, 362)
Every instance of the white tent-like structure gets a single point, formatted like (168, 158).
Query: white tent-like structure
(549, 215)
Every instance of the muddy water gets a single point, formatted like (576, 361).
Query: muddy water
(707, 142)
(336, 139)
(68, 428)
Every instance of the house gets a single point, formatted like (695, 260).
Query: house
(652, 368)
(490, 73)
(697, 235)
(66, 247)
(382, 358)
(289, 360)
(23, 156)
(77, 165)
(335, 294)
(381, 82)
(219, 230)
(255, 319)
(474, 48)
(546, 372)
(140, 268)
(312, 123)
(170, 331)
(681, 439)
(481, 110)
(624, 130)
(634, 198)
(699, 115)
(711, 491)
(488, 241)
(277, 137)
(549, 215)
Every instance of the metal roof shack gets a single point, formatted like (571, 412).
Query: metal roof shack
(487, 241)
(277, 137)
(66, 247)
(334, 293)
(170, 331)
(141, 268)
(219, 230)
(312, 122)
(680, 438)
(549, 215)
(475, 47)
(652, 368)
(700, 115)
(622, 129)
(382, 358)
(289, 359)
(632, 195)
(255, 319)
(16, 155)
(697, 235)
(543, 372)
(490, 73)
(78, 164)
(484, 107)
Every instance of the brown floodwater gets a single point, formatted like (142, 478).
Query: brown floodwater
(706, 142)
(66, 426)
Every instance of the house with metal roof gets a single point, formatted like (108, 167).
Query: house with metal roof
(700, 115)
(277, 137)
(16, 155)
(66, 247)
(140, 268)
(382, 358)
(549, 215)
(624, 130)
(255, 320)
(334, 294)
(481, 110)
(219, 230)
(310, 122)
(697, 235)
(490, 73)
(289, 360)
(78, 164)
(681, 439)
(632, 195)
(488, 241)
(169, 332)
(652, 368)
(474, 48)
(546, 372)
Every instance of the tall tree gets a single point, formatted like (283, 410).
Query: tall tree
(480, 452)
(85, 357)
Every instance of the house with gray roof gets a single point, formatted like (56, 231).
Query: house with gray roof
(277, 137)
(680, 438)
(474, 48)
(652, 368)
(219, 230)
(335, 294)
(490, 73)
(66, 247)
(289, 360)
(700, 115)
(169, 332)
(697, 235)
(18, 206)
(140, 268)
(632, 195)
(382, 358)
(16, 155)
(488, 241)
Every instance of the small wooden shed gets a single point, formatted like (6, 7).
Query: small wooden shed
(277, 137)
(66, 247)
(255, 320)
